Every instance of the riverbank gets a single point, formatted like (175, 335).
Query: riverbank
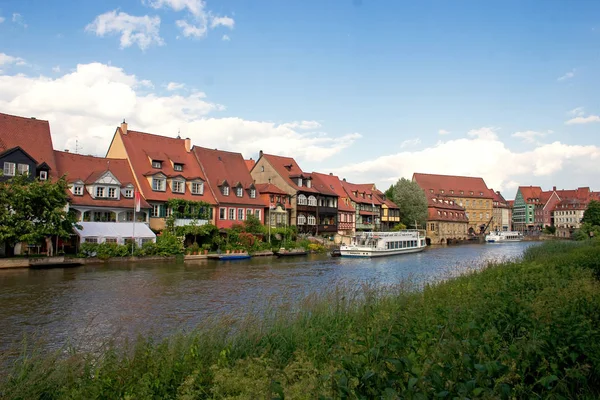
(515, 329)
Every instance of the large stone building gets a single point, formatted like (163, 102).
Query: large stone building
(446, 221)
(471, 193)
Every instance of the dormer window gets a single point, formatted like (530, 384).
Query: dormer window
(129, 193)
(77, 190)
(43, 175)
(156, 164)
(225, 190)
(299, 181)
(452, 192)
(197, 187)
(481, 193)
(442, 191)
(23, 169)
(252, 193)
(9, 169)
(159, 184)
(112, 193)
(471, 193)
(462, 192)
(178, 167)
(239, 192)
(178, 186)
(100, 191)
(308, 183)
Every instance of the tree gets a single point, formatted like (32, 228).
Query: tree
(592, 214)
(412, 202)
(389, 194)
(398, 227)
(31, 210)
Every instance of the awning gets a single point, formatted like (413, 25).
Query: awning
(114, 230)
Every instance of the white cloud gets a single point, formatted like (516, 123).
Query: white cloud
(89, 102)
(226, 38)
(443, 132)
(18, 19)
(2, 19)
(5, 59)
(577, 111)
(583, 120)
(488, 157)
(531, 136)
(175, 86)
(143, 31)
(56, 69)
(566, 76)
(222, 21)
(200, 19)
(410, 143)
(188, 29)
(486, 133)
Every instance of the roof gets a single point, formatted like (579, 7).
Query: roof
(220, 166)
(530, 192)
(114, 229)
(498, 198)
(32, 135)
(287, 168)
(443, 214)
(324, 187)
(139, 144)
(77, 167)
(361, 189)
(269, 188)
(386, 201)
(335, 185)
(250, 164)
(452, 185)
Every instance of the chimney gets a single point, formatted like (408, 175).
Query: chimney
(66, 150)
(188, 144)
(554, 188)
(260, 154)
(124, 127)
(331, 174)
(344, 179)
(497, 192)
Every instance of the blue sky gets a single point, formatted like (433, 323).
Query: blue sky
(381, 77)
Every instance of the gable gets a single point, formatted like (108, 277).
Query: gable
(108, 179)
(19, 154)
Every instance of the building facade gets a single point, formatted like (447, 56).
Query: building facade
(366, 204)
(446, 221)
(277, 205)
(501, 212)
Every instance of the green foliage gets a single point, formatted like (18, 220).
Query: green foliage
(316, 248)
(254, 226)
(550, 229)
(398, 227)
(189, 209)
(390, 194)
(32, 210)
(412, 202)
(592, 214)
(586, 231)
(517, 330)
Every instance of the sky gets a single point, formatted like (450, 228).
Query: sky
(371, 90)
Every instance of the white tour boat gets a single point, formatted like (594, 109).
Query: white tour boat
(377, 244)
(504, 236)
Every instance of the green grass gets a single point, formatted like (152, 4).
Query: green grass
(528, 329)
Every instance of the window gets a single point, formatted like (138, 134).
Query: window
(252, 193)
(239, 191)
(156, 164)
(262, 168)
(299, 181)
(232, 213)
(9, 169)
(225, 190)
(257, 213)
(100, 191)
(197, 187)
(43, 175)
(78, 190)
(155, 211)
(301, 219)
(302, 200)
(112, 193)
(248, 212)
(308, 183)
(312, 220)
(129, 193)
(91, 240)
(168, 212)
(432, 227)
(178, 167)
(158, 184)
(23, 169)
(110, 240)
(178, 186)
(312, 201)
(222, 214)
(240, 214)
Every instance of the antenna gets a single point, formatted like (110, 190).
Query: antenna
(178, 133)
(76, 146)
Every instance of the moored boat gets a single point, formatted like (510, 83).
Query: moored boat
(230, 257)
(378, 244)
(290, 253)
(503, 236)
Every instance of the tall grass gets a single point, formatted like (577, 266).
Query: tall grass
(526, 329)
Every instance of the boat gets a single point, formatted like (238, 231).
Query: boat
(379, 244)
(290, 253)
(336, 253)
(230, 257)
(503, 236)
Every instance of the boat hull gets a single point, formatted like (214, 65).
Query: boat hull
(291, 253)
(357, 252)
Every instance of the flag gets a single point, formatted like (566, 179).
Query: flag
(138, 201)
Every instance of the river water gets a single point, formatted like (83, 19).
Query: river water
(86, 306)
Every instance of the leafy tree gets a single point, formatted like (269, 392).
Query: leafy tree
(389, 194)
(31, 210)
(592, 213)
(412, 202)
(398, 227)
(253, 225)
(550, 229)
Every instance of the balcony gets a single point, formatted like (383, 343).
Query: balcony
(332, 228)
(305, 208)
(188, 221)
(327, 210)
(364, 226)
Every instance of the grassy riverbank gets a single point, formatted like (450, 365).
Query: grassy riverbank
(517, 330)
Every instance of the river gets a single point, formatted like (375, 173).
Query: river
(86, 306)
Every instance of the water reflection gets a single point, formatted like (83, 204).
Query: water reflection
(92, 304)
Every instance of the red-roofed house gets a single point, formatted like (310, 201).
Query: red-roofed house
(26, 147)
(446, 221)
(231, 185)
(164, 168)
(346, 215)
(366, 203)
(469, 192)
(567, 212)
(528, 208)
(250, 164)
(502, 213)
(390, 212)
(285, 173)
(277, 205)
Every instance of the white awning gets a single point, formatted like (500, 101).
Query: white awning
(114, 230)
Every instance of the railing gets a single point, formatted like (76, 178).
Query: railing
(188, 221)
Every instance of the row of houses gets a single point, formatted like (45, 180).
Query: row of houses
(191, 183)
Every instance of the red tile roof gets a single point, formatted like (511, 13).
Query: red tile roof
(452, 185)
(335, 185)
(287, 168)
(32, 135)
(269, 188)
(390, 204)
(361, 189)
(530, 192)
(220, 166)
(444, 209)
(250, 164)
(141, 147)
(88, 169)
(498, 198)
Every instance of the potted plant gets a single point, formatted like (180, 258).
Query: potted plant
(206, 248)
